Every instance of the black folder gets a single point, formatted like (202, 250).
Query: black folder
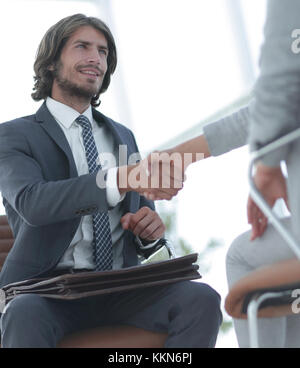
(85, 284)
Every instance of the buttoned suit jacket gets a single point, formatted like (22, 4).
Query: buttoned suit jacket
(43, 196)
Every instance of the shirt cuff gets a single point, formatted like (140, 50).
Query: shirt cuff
(113, 195)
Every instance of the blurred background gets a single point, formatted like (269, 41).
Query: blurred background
(182, 64)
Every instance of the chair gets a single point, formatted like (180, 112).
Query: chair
(270, 291)
(108, 337)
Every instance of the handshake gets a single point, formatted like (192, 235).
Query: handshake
(159, 176)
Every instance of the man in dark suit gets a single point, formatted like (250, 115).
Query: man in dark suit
(65, 220)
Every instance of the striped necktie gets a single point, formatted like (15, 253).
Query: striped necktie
(102, 244)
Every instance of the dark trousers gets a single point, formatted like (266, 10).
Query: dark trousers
(188, 311)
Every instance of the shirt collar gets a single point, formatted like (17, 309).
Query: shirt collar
(66, 115)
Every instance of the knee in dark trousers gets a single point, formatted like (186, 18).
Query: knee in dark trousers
(198, 316)
(27, 322)
(189, 312)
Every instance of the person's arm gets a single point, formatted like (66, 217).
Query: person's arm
(219, 137)
(276, 107)
(38, 201)
(228, 133)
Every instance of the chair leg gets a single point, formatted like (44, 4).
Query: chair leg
(252, 315)
(252, 323)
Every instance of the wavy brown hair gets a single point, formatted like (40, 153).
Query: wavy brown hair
(50, 48)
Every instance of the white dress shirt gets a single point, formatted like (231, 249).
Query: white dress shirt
(80, 251)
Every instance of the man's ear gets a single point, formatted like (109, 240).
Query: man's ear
(51, 67)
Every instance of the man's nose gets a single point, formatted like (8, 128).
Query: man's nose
(94, 57)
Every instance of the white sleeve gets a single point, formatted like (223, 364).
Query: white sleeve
(112, 191)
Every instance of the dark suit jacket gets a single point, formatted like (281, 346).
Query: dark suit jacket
(44, 197)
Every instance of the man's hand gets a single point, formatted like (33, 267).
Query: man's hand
(161, 174)
(169, 166)
(166, 173)
(158, 177)
(272, 185)
(145, 223)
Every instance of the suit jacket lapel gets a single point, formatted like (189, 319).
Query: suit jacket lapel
(55, 132)
(116, 131)
(101, 119)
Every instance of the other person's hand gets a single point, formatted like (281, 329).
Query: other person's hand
(272, 185)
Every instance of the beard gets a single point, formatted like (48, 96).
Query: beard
(71, 88)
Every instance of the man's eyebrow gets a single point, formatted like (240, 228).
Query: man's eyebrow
(89, 43)
(82, 41)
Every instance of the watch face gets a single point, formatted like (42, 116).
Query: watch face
(162, 254)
